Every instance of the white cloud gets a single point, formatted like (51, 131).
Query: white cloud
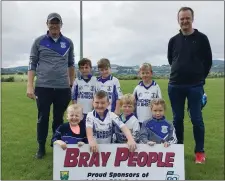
(128, 33)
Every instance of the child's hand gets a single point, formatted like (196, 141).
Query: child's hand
(132, 145)
(80, 143)
(166, 144)
(151, 143)
(61, 143)
(93, 146)
(117, 113)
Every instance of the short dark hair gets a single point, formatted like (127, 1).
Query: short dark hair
(104, 63)
(84, 61)
(101, 94)
(186, 9)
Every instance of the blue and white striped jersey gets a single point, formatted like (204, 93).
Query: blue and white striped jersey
(111, 85)
(103, 128)
(143, 96)
(83, 91)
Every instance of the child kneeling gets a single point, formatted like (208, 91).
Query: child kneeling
(157, 130)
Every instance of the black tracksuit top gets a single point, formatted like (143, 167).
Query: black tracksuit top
(190, 57)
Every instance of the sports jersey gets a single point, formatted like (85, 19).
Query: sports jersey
(133, 125)
(143, 96)
(83, 91)
(65, 134)
(111, 85)
(103, 128)
(159, 131)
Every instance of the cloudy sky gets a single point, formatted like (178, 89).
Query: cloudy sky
(127, 33)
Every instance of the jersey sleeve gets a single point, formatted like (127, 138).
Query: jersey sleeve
(172, 139)
(75, 90)
(118, 89)
(159, 94)
(57, 135)
(71, 61)
(117, 121)
(144, 135)
(89, 121)
(34, 55)
(97, 85)
(136, 98)
(135, 93)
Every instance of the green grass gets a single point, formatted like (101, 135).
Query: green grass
(19, 115)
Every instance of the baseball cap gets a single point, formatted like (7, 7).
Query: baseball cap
(54, 15)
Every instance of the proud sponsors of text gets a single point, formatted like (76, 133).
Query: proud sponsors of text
(113, 175)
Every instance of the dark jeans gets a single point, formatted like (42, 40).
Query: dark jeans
(60, 99)
(178, 95)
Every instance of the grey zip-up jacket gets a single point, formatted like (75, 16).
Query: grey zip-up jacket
(51, 59)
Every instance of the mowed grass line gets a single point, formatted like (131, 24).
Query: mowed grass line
(19, 117)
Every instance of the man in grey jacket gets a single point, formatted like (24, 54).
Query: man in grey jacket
(52, 61)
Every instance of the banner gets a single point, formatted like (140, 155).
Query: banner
(115, 162)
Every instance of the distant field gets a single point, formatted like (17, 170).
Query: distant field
(18, 78)
(19, 116)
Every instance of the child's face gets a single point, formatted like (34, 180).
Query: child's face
(100, 105)
(145, 74)
(74, 117)
(104, 72)
(127, 109)
(85, 70)
(157, 111)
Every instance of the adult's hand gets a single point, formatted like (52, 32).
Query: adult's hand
(30, 92)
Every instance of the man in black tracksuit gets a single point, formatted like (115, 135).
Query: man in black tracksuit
(190, 57)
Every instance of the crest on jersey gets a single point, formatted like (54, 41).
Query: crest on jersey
(95, 126)
(80, 88)
(154, 95)
(164, 129)
(109, 88)
(109, 126)
(92, 88)
(140, 94)
(63, 44)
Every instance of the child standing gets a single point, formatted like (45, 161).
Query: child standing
(72, 132)
(100, 123)
(144, 92)
(84, 87)
(109, 84)
(127, 103)
(157, 130)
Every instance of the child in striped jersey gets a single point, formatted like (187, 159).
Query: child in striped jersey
(101, 122)
(157, 130)
(72, 132)
(144, 92)
(84, 86)
(127, 103)
(109, 84)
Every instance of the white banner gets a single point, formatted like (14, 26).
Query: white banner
(114, 162)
